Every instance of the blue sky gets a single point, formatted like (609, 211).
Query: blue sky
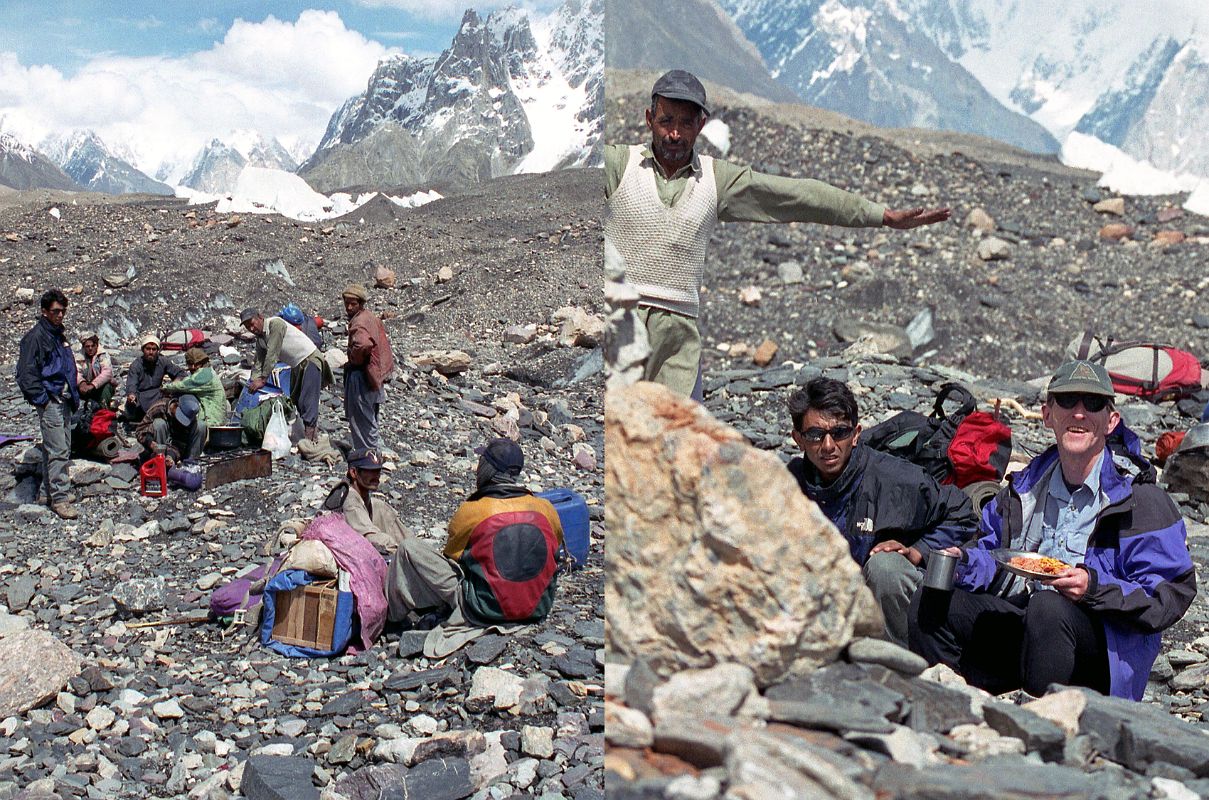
(67, 35)
(157, 80)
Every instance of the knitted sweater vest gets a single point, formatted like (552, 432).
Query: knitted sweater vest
(296, 346)
(663, 248)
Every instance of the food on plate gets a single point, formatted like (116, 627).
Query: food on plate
(1041, 564)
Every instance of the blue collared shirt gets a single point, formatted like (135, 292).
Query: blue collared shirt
(1070, 516)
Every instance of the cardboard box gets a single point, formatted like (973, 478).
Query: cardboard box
(306, 616)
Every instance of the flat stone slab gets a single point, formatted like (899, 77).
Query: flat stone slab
(278, 778)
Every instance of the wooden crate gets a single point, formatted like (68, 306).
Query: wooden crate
(306, 616)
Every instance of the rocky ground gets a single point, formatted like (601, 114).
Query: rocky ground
(1050, 272)
(204, 712)
(867, 723)
(780, 305)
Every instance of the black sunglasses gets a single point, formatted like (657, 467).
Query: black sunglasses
(838, 434)
(1091, 402)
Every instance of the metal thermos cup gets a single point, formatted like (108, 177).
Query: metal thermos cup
(942, 571)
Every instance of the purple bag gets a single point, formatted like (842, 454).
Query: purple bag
(243, 594)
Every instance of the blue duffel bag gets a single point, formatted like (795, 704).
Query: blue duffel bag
(346, 625)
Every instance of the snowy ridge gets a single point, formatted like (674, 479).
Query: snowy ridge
(11, 146)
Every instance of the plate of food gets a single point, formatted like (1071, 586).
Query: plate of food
(1030, 565)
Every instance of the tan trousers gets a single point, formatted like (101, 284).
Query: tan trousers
(675, 359)
(421, 577)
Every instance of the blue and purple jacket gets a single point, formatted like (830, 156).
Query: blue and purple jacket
(1141, 577)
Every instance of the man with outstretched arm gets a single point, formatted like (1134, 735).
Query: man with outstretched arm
(663, 201)
(1128, 575)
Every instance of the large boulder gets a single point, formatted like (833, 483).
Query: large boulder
(714, 553)
(34, 668)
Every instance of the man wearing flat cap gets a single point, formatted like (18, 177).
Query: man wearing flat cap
(369, 515)
(370, 365)
(145, 378)
(1125, 572)
(95, 370)
(664, 200)
(278, 340)
(499, 562)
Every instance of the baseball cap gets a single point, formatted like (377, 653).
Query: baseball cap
(247, 314)
(680, 85)
(365, 458)
(186, 409)
(1081, 377)
(503, 454)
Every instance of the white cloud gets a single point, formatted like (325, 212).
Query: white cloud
(445, 9)
(281, 78)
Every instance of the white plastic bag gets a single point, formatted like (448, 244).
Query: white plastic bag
(277, 434)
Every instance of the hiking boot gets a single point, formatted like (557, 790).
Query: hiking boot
(65, 510)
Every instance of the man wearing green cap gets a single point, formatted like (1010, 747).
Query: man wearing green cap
(663, 201)
(1127, 574)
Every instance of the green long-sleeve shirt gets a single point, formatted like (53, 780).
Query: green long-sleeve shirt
(207, 388)
(745, 195)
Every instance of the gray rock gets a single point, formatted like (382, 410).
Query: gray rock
(993, 778)
(1137, 735)
(278, 778)
(992, 248)
(1192, 678)
(437, 779)
(835, 715)
(1038, 734)
(21, 591)
(34, 668)
(701, 741)
(140, 596)
(411, 643)
(887, 654)
(640, 684)
(487, 649)
(790, 272)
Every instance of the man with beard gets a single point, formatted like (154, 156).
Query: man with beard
(664, 201)
(46, 375)
(95, 371)
(1124, 574)
(891, 513)
(145, 379)
(370, 365)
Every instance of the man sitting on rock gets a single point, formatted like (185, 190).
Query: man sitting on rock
(1127, 573)
(95, 371)
(278, 340)
(499, 562)
(372, 517)
(890, 511)
(145, 379)
(174, 427)
(205, 385)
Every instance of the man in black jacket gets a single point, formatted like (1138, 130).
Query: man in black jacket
(46, 374)
(890, 511)
(145, 379)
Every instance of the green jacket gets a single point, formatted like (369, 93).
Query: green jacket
(207, 388)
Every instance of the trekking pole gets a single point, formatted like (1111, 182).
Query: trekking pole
(174, 621)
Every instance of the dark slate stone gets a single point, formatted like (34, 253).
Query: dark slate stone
(847, 681)
(131, 746)
(1004, 777)
(931, 707)
(829, 715)
(578, 663)
(487, 649)
(20, 592)
(640, 684)
(373, 782)
(342, 705)
(406, 681)
(563, 695)
(411, 643)
(1038, 734)
(1137, 734)
(278, 778)
(435, 779)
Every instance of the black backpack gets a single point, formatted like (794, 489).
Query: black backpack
(924, 440)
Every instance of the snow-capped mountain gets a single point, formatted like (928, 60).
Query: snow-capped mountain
(216, 168)
(870, 60)
(510, 94)
(23, 167)
(98, 167)
(1134, 75)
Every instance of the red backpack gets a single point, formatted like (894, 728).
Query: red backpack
(1149, 370)
(980, 450)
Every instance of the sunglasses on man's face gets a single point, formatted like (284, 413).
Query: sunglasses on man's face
(1091, 402)
(838, 434)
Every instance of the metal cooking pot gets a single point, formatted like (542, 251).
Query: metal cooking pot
(225, 437)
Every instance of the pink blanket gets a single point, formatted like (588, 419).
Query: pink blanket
(365, 566)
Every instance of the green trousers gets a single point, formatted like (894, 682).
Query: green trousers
(675, 342)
